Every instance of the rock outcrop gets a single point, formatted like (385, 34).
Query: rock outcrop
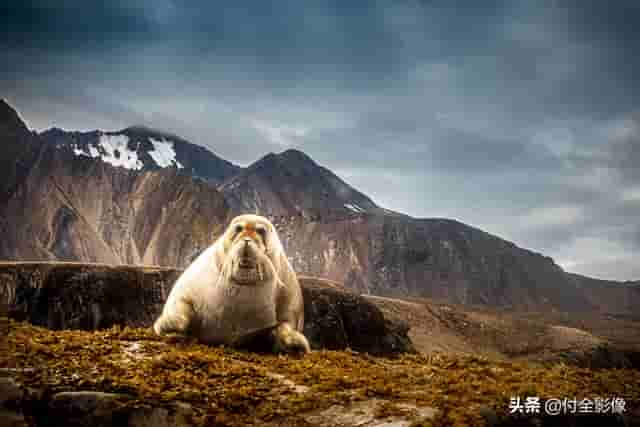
(92, 297)
(354, 322)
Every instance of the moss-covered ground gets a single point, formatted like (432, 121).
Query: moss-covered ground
(230, 387)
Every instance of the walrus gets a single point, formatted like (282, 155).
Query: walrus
(240, 287)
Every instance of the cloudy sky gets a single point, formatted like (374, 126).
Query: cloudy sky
(519, 117)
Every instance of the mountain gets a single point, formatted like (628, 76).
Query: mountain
(143, 149)
(19, 148)
(65, 206)
(441, 259)
(618, 299)
(332, 230)
(130, 197)
(291, 183)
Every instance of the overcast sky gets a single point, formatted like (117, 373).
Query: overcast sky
(521, 118)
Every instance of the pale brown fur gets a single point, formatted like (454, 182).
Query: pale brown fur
(242, 283)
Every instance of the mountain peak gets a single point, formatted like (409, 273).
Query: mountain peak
(147, 130)
(139, 127)
(10, 119)
(293, 154)
(141, 147)
(7, 111)
(292, 183)
(290, 158)
(53, 131)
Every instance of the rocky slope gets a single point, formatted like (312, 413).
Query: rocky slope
(331, 230)
(291, 183)
(437, 258)
(618, 299)
(66, 207)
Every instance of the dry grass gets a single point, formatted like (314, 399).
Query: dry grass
(235, 388)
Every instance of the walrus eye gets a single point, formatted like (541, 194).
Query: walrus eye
(262, 232)
(238, 229)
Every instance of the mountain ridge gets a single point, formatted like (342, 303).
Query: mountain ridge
(329, 228)
(143, 148)
(291, 183)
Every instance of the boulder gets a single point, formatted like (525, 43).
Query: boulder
(97, 296)
(336, 319)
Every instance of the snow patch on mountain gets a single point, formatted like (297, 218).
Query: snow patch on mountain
(353, 207)
(112, 149)
(163, 153)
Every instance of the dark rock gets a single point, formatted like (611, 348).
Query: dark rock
(11, 395)
(9, 391)
(604, 356)
(89, 297)
(81, 408)
(12, 419)
(336, 319)
(77, 296)
(178, 415)
(97, 409)
(84, 408)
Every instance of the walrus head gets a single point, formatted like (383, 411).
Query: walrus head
(249, 243)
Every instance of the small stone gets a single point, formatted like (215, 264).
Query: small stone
(12, 419)
(87, 408)
(10, 391)
(150, 417)
(10, 396)
(363, 413)
(179, 416)
(489, 415)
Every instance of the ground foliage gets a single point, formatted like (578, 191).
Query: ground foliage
(229, 387)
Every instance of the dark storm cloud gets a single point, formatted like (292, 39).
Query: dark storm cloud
(518, 117)
(72, 24)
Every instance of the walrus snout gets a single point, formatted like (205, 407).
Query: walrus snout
(248, 263)
(247, 255)
(245, 262)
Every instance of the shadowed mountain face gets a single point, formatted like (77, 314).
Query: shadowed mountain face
(131, 197)
(18, 150)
